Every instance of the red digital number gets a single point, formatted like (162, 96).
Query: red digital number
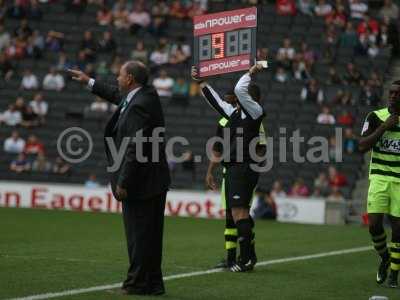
(218, 45)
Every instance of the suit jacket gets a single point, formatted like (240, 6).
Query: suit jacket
(143, 113)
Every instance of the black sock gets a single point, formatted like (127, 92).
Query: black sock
(244, 233)
(379, 241)
(253, 240)
(231, 236)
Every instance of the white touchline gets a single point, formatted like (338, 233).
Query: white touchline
(192, 274)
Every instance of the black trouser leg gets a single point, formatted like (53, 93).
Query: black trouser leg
(155, 273)
(143, 220)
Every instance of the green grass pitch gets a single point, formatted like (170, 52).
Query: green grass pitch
(53, 251)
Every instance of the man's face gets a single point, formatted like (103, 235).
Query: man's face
(394, 99)
(124, 79)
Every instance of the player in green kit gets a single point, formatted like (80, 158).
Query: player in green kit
(381, 135)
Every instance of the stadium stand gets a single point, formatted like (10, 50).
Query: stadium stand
(349, 63)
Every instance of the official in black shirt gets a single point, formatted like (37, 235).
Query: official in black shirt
(240, 178)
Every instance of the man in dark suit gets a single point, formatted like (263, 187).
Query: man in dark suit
(141, 181)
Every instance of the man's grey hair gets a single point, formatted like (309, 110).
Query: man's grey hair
(138, 70)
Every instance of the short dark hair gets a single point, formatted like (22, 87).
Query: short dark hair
(254, 91)
(138, 70)
(396, 82)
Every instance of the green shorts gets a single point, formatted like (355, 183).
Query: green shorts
(384, 197)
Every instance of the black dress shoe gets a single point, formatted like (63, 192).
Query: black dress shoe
(157, 292)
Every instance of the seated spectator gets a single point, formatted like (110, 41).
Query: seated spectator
(61, 167)
(286, 7)
(195, 9)
(383, 36)
(24, 30)
(299, 189)
(353, 76)
(335, 195)
(368, 23)
(53, 81)
(177, 10)
(92, 182)
(39, 106)
(389, 10)
(16, 48)
(348, 38)
(63, 63)
(306, 7)
(334, 149)
(120, 17)
(33, 146)
(163, 84)
(104, 16)
(81, 61)
(102, 70)
(34, 12)
(116, 65)
(36, 44)
(14, 144)
(325, 117)
(11, 117)
(20, 105)
(322, 9)
(89, 46)
(140, 53)
(321, 183)
(139, 20)
(20, 164)
(308, 54)
(178, 56)
(300, 70)
(159, 57)
(357, 9)
(330, 43)
(6, 67)
(5, 38)
(334, 77)
(99, 105)
(265, 205)
(107, 44)
(277, 189)
(180, 91)
(281, 76)
(369, 96)
(336, 179)
(337, 17)
(286, 54)
(375, 81)
(345, 118)
(29, 81)
(159, 15)
(350, 143)
(29, 118)
(55, 41)
(312, 92)
(41, 164)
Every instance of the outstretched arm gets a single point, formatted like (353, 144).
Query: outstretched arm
(212, 97)
(107, 92)
(250, 107)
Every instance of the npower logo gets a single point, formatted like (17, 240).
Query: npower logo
(223, 21)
